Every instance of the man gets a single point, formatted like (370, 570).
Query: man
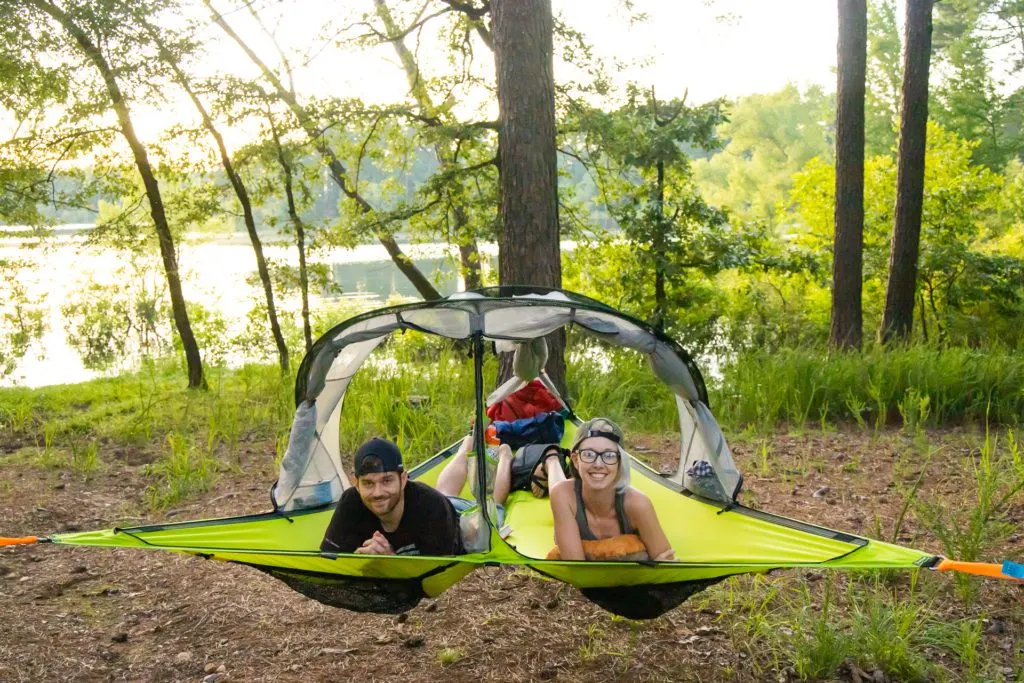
(386, 514)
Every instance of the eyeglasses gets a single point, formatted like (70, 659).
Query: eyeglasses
(607, 457)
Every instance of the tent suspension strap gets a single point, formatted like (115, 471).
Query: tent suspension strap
(24, 540)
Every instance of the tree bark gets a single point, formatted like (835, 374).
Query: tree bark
(337, 169)
(898, 319)
(300, 231)
(660, 300)
(529, 246)
(165, 239)
(243, 198)
(848, 247)
(446, 152)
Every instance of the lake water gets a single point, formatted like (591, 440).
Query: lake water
(214, 274)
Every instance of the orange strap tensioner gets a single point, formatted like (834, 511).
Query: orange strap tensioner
(994, 571)
(24, 540)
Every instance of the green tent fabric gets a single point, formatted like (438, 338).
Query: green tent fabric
(711, 541)
(713, 534)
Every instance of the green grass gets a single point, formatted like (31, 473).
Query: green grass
(927, 386)
(184, 472)
(993, 485)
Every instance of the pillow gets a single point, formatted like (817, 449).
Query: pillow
(622, 548)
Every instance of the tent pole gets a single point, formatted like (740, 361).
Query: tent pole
(478, 434)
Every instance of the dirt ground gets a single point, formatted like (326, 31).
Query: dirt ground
(80, 614)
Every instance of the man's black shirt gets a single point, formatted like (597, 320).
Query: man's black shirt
(429, 524)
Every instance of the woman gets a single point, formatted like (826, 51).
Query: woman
(597, 513)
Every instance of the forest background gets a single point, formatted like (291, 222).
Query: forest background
(139, 132)
(743, 244)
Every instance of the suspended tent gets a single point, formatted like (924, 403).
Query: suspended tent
(714, 535)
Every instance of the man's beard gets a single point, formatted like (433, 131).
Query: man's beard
(393, 500)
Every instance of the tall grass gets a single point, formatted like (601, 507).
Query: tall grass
(926, 385)
(183, 472)
(993, 485)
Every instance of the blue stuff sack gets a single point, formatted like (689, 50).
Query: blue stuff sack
(541, 428)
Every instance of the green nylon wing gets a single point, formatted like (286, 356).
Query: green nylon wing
(708, 542)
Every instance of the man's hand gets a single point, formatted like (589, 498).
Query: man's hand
(376, 545)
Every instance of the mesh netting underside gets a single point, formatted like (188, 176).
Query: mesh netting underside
(358, 594)
(649, 601)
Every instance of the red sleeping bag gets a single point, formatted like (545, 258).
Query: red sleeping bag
(532, 399)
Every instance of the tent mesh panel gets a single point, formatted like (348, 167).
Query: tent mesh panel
(358, 594)
(647, 601)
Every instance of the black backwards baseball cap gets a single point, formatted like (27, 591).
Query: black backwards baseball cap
(377, 455)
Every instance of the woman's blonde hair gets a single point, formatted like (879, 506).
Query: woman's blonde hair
(602, 426)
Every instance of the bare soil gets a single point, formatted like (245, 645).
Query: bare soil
(79, 614)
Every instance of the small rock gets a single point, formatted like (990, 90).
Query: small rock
(60, 487)
(80, 569)
(383, 640)
(214, 667)
(24, 578)
(183, 657)
(878, 676)
(119, 637)
(415, 641)
(821, 492)
(430, 607)
(216, 678)
(995, 627)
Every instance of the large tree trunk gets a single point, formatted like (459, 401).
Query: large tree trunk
(898, 318)
(168, 252)
(338, 172)
(243, 198)
(847, 264)
(529, 249)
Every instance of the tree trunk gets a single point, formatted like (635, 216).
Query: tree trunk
(659, 253)
(243, 198)
(848, 251)
(898, 319)
(529, 248)
(300, 229)
(338, 172)
(469, 254)
(165, 239)
(300, 242)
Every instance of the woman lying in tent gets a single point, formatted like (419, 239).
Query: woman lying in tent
(598, 515)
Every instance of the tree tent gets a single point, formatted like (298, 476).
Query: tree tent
(715, 536)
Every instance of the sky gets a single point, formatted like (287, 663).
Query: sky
(705, 48)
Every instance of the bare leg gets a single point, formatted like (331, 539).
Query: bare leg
(453, 476)
(503, 477)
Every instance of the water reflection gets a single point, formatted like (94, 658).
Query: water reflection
(214, 274)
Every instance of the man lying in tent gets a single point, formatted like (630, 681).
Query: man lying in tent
(386, 514)
(598, 515)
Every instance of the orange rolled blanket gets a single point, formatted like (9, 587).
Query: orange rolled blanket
(624, 548)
